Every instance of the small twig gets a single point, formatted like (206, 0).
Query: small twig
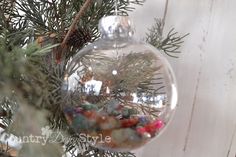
(77, 18)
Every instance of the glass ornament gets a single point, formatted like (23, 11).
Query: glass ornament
(118, 90)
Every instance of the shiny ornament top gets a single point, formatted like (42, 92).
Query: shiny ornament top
(119, 89)
(116, 27)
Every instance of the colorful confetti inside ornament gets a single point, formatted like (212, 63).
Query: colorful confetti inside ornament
(119, 88)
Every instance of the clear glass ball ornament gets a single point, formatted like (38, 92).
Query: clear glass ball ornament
(117, 90)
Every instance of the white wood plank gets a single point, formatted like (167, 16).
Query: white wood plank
(206, 73)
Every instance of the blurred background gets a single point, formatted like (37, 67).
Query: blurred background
(205, 121)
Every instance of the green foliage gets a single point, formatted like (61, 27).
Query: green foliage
(169, 44)
(31, 71)
(57, 15)
(93, 152)
(25, 70)
(8, 108)
(20, 70)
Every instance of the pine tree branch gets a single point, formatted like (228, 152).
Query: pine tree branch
(169, 44)
(77, 18)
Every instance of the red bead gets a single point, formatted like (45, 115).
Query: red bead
(150, 128)
(154, 126)
(159, 124)
(141, 130)
(125, 123)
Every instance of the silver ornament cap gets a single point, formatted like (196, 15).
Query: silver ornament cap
(115, 27)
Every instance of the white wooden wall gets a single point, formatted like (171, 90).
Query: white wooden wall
(205, 121)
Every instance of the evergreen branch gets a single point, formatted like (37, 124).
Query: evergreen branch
(33, 11)
(46, 17)
(95, 152)
(7, 109)
(155, 33)
(21, 71)
(77, 18)
(170, 44)
(55, 16)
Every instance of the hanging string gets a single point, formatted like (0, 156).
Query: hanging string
(116, 7)
(165, 14)
(116, 14)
